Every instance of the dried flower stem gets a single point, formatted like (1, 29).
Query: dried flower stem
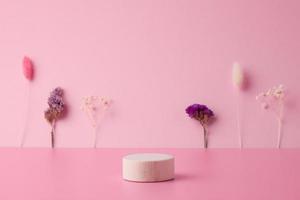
(205, 137)
(280, 123)
(96, 130)
(96, 137)
(26, 116)
(238, 123)
(279, 134)
(52, 134)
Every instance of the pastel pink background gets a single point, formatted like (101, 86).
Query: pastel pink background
(153, 58)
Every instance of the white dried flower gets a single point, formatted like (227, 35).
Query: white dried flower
(276, 92)
(273, 98)
(94, 104)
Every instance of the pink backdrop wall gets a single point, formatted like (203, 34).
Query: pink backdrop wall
(153, 58)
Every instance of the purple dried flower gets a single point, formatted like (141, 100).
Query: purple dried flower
(202, 114)
(55, 101)
(55, 110)
(199, 112)
(57, 92)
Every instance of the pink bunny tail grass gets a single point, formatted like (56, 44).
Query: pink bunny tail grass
(28, 72)
(28, 68)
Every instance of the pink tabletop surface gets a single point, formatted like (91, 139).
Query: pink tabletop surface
(96, 174)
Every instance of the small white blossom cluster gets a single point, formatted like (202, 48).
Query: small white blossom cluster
(94, 102)
(276, 93)
(274, 97)
(91, 105)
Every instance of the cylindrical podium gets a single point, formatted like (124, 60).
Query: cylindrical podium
(148, 167)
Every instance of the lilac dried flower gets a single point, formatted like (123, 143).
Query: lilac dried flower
(202, 114)
(57, 92)
(55, 101)
(55, 110)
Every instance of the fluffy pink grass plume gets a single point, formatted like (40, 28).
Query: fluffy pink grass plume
(28, 68)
